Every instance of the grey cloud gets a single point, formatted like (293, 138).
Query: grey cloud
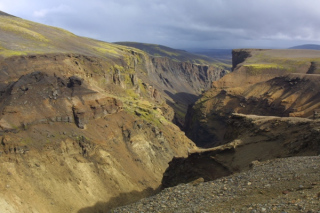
(181, 23)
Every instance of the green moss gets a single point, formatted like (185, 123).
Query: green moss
(142, 88)
(262, 60)
(132, 94)
(105, 50)
(166, 52)
(257, 69)
(20, 27)
(118, 67)
(150, 115)
(9, 53)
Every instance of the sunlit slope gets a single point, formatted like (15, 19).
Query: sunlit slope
(21, 37)
(288, 60)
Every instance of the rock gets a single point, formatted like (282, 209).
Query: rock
(74, 81)
(80, 118)
(197, 181)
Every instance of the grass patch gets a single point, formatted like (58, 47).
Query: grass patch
(263, 60)
(257, 69)
(8, 53)
(105, 48)
(20, 27)
(132, 93)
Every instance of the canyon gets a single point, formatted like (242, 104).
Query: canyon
(266, 108)
(86, 125)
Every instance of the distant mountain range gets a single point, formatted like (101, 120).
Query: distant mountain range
(214, 53)
(307, 47)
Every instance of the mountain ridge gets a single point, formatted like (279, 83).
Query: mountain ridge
(307, 46)
(175, 54)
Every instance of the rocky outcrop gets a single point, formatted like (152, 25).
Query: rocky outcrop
(257, 112)
(66, 168)
(39, 98)
(77, 126)
(185, 76)
(156, 78)
(239, 56)
(61, 139)
(249, 138)
(288, 96)
(257, 86)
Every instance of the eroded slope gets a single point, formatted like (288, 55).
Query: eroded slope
(279, 106)
(248, 138)
(250, 89)
(84, 125)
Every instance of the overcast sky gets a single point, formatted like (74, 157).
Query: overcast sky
(181, 23)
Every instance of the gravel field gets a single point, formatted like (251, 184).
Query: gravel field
(280, 185)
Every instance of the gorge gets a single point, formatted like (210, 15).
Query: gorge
(86, 125)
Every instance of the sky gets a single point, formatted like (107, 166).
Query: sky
(183, 24)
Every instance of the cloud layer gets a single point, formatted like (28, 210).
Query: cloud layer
(181, 23)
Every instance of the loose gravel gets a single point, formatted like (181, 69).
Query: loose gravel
(280, 185)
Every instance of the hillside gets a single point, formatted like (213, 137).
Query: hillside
(307, 47)
(223, 55)
(85, 123)
(176, 54)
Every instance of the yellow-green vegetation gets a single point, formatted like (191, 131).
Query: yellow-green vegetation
(199, 61)
(144, 109)
(288, 60)
(142, 88)
(132, 93)
(19, 36)
(257, 69)
(20, 27)
(118, 67)
(8, 53)
(166, 52)
(106, 48)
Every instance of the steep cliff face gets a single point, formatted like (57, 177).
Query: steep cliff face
(58, 167)
(84, 124)
(182, 82)
(182, 76)
(267, 108)
(249, 139)
(254, 88)
(81, 132)
(239, 56)
(293, 95)
(251, 66)
(185, 76)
